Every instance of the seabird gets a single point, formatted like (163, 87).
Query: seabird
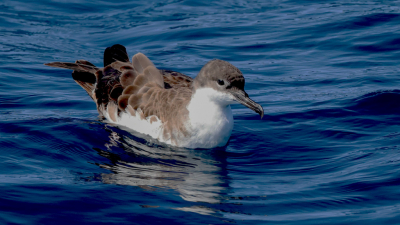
(166, 105)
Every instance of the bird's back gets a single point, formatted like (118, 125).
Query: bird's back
(135, 89)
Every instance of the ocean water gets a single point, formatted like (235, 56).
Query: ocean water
(326, 152)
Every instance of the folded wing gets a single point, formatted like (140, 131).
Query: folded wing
(138, 88)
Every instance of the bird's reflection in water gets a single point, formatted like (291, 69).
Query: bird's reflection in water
(196, 175)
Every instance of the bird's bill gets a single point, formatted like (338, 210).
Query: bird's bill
(243, 98)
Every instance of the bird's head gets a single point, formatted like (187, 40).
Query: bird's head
(227, 82)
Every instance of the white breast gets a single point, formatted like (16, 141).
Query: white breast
(210, 121)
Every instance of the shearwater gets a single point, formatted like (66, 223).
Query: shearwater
(166, 105)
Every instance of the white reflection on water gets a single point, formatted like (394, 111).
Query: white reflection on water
(197, 175)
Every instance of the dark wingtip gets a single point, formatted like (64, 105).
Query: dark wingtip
(114, 53)
(84, 77)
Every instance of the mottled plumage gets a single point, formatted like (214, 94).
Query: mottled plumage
(140, 91)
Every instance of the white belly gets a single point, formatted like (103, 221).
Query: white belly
(144, 126)
(208, 131)
(210, 122)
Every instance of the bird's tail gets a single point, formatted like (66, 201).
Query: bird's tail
(84, 73)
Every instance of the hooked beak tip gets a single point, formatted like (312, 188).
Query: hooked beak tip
(260, 111)
(244, 99)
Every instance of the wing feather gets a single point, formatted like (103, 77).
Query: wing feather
(140, 62)
(138, 88)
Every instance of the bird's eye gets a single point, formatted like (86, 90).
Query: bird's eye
(220, 82)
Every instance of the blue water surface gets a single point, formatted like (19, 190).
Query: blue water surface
(326, 152)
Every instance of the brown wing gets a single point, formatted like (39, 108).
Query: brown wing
(174, 79)
(135, 87)
(144, 94)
